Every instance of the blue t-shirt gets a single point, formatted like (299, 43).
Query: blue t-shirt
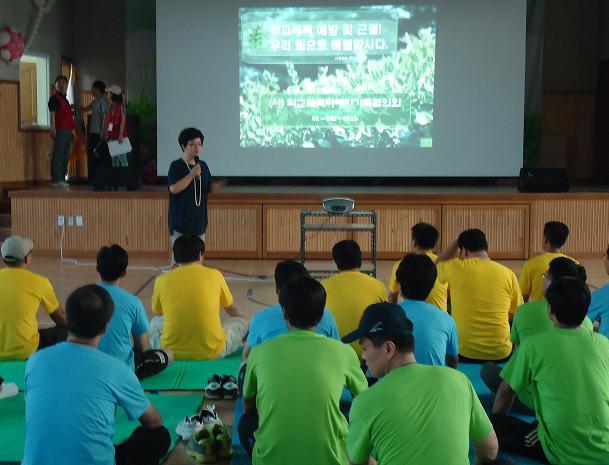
(129, 319)
(184, 215)
(434, 331)
(269, 323)
(599, 309)
(71, 395)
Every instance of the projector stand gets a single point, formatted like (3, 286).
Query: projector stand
(350, 223)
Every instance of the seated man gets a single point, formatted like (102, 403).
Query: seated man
(189, 298)
(416, 414)
(269, 323)
(567, 369)
(555, 235)
(293, 385)
(599, 306)
(424, 240)
(484, 295)
(76, 388)
(351, 291)
(533, 318)
(434, 330)
(23, 293)
(129, 319)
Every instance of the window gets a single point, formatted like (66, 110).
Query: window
(34, 90)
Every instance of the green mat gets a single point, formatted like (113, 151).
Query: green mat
(192, 375)
(173, 409)
(14, 372)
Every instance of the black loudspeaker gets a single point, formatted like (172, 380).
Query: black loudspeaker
(543, 180)
(109, 178)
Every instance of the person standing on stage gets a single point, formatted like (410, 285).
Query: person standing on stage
(189, 181)
(98, 108)
(115, 124)
(62, 124)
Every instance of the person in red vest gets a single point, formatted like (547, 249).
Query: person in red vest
(115, 123)
(62, 124)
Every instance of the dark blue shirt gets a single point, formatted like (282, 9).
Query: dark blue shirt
(184, 216)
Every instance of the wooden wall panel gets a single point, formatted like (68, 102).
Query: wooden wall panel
(506, 227)
(234, 231)
(23, 153)
(282, 233)
(588, 221)
(393, 228)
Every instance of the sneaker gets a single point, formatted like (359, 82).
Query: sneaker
(213, 389)
(201, 446)
(208, 416)
(59, 185)
(229, 387)
(188, 427)
(223, 442)
(8, 389)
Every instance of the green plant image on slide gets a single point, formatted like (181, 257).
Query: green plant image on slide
(335, 77)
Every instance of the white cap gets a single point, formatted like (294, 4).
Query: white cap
(16, 248)
(116, 90)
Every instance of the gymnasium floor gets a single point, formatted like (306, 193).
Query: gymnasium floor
(250, 281)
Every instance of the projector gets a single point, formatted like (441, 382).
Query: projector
(338, 205)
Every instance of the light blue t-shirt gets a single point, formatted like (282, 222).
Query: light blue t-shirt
(599, 309)
(269, 323)
(129, 319)
(434, 331)
(71, 395)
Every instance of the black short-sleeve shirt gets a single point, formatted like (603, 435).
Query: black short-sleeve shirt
(184, 216)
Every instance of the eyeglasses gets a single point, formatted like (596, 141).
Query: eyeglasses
(195, 144)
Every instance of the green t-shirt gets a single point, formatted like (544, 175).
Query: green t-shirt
(298, 379)
(417, 414)
(532, 318)
(569, 372)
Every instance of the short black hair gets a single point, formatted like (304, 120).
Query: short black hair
(417, 275)
(61, 78)
(187, 248)
(425, 235)
(562, 267)
(403, 344)
(112, 262)
(188, 134)
(116, 98)
(287, 270)
(569, 299)
(347, 255)
(100, 86)
(472, 240)
(556, 233)
(303, 299)
(89, 309)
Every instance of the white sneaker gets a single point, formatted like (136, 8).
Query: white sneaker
(8, 390)
(208, 416)
(188, 427)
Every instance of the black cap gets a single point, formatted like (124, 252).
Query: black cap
(382, 319)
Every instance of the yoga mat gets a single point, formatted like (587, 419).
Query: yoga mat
(173, 409)
(192, 375)
(14, 372)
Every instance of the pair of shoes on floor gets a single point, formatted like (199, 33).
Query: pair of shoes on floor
(210, 443)
(190, 425)
(221, 387)
(60, 185)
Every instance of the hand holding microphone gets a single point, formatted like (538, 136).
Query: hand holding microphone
(196, 171)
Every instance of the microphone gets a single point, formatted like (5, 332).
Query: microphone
(197, 160)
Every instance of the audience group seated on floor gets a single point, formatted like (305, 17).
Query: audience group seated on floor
(339, 371)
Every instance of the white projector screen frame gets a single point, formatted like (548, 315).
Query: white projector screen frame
(478, 99)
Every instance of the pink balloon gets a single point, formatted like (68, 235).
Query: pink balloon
(14, 46)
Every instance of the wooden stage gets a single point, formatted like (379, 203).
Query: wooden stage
(264, 223)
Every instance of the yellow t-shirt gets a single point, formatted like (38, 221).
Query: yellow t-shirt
(349, 293)
(484, 295)
(21, 295)
(531, 276)
(439, 293)
(189, 298)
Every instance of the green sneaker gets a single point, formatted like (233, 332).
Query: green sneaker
(223, 442)
(201, 446)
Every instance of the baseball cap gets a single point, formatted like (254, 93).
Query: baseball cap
(116, 90)
(16, 248)
(382, 319)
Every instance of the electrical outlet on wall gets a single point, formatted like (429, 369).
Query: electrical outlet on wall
(79, 220)
(60, 220)
(70, 221)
